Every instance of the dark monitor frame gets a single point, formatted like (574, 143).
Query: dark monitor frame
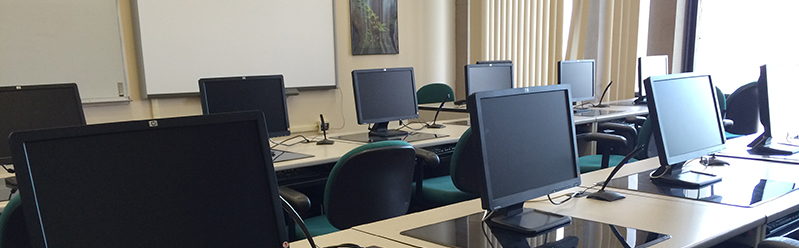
(641, 77)
(670, 170)
(561, 72)
(492, 202)
(27, 183)
(494, 62)
(380, 127)
(28, 88)
(764, 144)
(468, 74)
(508, 209)
(273, 132)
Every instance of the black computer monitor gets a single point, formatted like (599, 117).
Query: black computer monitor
(264, 93)
(486, 77)
(383, 95)
(528, 150)
(648, 66)
(687, 124)
(36, 107)
(581, 75)
(494, 62)
(775, 93)
(200, 181)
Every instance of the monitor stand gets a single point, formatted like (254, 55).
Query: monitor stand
(675, 177)
(530, 222)
(764, 145)
(381, 130)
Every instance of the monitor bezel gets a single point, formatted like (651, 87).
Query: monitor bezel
(357, 95)
(489, 201)
(27, 186)
(494, 62)
(665, 158)
(221, 80)
(72, 86)
(593, 77)
(468, 74)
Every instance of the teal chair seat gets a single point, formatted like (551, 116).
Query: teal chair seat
(13, 231)
(642, 136)
(369, 183)
(593, 162)
(463, 182)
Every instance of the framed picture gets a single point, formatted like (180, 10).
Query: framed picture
(374, 27)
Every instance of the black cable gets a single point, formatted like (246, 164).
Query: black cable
(344, 245)
(296, 217)
(618, 236)
(305, 140)
(278, 155)
(13, 190)
(561, 202)
(8, 170)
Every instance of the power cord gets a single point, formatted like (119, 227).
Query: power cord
(486, 214)
(305, 140)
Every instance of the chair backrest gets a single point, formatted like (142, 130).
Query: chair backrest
(722, 101)
(434, 92)
(13, 231)
(645, 138)
(370, 183)
(742, 108)
(465, 167)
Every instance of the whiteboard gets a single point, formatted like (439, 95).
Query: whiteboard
(179, 42)
(78, 41)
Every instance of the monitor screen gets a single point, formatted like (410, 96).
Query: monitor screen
(656, 65)
(37, 107)
(264, 93)
(200, 181)
(383, 95)
(580, 74)
(528, 143)
(685, 115)
(487, 77)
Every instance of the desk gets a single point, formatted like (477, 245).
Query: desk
(689, 222)
(349, 236)
(324, 154)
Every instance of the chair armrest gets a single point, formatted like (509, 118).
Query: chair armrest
(728, 123)
(604, 137)
(637, 120)
(299, 201)
(618, 128)
(429, 158)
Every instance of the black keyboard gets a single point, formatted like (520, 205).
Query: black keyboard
(441, 149)
(298, 175)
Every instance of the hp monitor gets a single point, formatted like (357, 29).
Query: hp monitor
(687, 124)
(201, 181)
(37, 107)
(487, 77)
(581, 75)
(264, 93)
(383, 95)
(648, 66)
(528, 150)
(775, 93)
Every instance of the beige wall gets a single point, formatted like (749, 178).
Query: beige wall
(426, 42)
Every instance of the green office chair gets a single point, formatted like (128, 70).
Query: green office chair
(743, 110)
(463, 182)
(370, 183)
(434, 92)
(614, 146)
(13, 231)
